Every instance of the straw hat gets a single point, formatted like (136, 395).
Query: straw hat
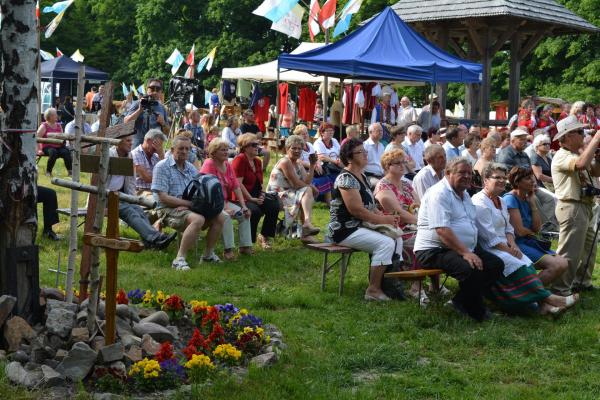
(567, 125)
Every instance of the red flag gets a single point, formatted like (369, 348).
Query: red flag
(190, 58)
(37, 10)
(189, 73)
(327, 16)
(58, 53)
(313, 19)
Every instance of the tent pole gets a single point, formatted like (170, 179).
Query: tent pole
(277, 101)
(431, 105)
(326, 86)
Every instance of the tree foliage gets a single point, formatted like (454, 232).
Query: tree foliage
(131, 40)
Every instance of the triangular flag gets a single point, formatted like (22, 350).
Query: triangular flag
(189, 72)
(349, 9)
(58, 52)
(175, 60)
(275, 9)
(53, 25)
(190, 58)
(125, 90)
(141, 89)
(58, 7)
(77, 56)
(291, 24)
(45, 55)
(313, 19)
(207, 61)
(134, 90)
(37, 10)
(327, 16)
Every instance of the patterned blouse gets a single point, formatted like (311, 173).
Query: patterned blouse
(405, 196)
(342, 223)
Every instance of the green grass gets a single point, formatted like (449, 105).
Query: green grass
(343, 347)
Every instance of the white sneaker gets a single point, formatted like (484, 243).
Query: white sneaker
(211, 258)
(179, 264)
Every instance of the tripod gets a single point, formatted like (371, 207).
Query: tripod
(589, 256)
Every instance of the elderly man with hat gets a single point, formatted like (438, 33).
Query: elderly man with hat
(572, 172)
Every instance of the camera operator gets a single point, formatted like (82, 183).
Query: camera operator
(572, 172)
(148, 112)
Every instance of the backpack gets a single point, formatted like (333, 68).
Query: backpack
(206, 195)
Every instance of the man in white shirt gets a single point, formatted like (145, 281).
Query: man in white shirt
(414, 146)
(406, 113)
(454, 138)
(433, 172)
(375, 150)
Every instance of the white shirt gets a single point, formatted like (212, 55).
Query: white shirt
(231, 136)
(374, 153)
(424, 179)
(87, 129)
(423, 121)
(305, 154)
(451, 151)
(441, 207)
(465, 153)
(406, 116)
(415, 151)
(333, 152)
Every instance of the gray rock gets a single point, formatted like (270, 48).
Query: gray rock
(158, 332)
(130, 340)
(17, 374)
(2, 355)
(159, 317)
(107, 396)
(134, 313)
(98, 343)
(59, 393)
(119, 367)
(264, 360)
(78, 363)
(60, 322)
(54, 341)
(80, 335)
(123, 327)
(6, 306)
(30, 366)
(149, 345)
(273, 331)
(144, 312)
(101, 309)
(123, 311)
(61, 354)
(40, 353)
(82, 316)
(276, 342)
(174, 330)
(52, 304)
(19, 356)
(110, 353)
(15, 330)
(51, 363)
(51, 293)
(50, 377)
(134, 354)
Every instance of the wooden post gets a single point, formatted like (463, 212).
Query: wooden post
(112, 258)
(514, 75)
(79, 123)
(486, 61)
(442, 88)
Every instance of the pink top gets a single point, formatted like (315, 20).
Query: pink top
(228, 180)
(49, 129)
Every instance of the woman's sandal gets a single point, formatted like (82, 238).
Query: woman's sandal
(571, 300)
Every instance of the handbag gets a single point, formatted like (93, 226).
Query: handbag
(385, 229)
(331, 168)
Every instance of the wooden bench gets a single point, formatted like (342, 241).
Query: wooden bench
(81, 212)
(332, 248)
(416, 275)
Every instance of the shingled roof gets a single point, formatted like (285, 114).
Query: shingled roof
(545, 11)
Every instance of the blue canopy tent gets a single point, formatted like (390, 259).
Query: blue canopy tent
(385, 48)
(64, 69)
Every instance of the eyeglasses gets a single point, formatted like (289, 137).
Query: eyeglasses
(398, 163)
(498, 178)
(253, 145)
(360, 152)
(155, 88)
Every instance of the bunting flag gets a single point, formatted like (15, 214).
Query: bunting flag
(327, 15)
(189, 72)
(37, 10)
(291, 24)
(58, 52)
(275, 10)
(175, 60)
(190, 58)
(349, 9)
(57, 8)
(125, 90)
(141, 90)
(77, 56)
(134, 90)
(207, 61)
(54, 24)
(313, 19)
(45, 55)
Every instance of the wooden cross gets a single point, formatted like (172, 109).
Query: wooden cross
(112, 243)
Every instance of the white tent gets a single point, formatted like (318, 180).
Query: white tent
(268, 72)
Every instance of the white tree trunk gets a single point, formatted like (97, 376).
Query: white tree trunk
(18, 122)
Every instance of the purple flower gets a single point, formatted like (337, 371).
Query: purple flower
(247, 320)
(172, 367)
(136, 296)
(226, 311)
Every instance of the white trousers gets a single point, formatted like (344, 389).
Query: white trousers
(380, 246)
(243, 227)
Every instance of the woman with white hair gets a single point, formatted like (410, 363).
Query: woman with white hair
(50, 127)
(541, 161)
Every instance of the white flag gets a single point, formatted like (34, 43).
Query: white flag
(291, 24)
(175, 60)
(77, 56)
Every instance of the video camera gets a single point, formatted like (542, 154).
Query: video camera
(590, 191)
(147, 103)
(181, 91)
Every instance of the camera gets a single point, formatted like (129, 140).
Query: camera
(590, 191)
(147, 103)
(183, 91)
(312, 157)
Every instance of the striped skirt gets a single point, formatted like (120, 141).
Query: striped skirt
(519, 289)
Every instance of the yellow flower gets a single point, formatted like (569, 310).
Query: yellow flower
(148, 297)
(198, 303)
(227, 352)
(149, 368)
(160, 297)
(199, 361)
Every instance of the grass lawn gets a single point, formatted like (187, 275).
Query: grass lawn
(344, 347)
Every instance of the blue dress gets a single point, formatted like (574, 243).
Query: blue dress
(529, 245)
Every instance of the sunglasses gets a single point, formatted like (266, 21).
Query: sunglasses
(155, 88)
(253, 145)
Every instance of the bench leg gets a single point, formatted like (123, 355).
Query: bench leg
(343, 269)
(324, 272)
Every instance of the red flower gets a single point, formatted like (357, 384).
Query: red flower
(189, 351)
(122, 297)
(174, 303)
(165, 352)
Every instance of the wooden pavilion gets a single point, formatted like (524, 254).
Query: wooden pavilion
(477, 29)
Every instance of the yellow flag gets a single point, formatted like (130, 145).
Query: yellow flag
(54, 24)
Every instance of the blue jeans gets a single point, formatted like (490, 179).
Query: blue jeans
(134, 216)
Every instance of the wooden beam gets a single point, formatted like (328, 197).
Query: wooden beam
(503, 38)
(476, 41)
(116, 165)
(514, 76)
(457, 49)
(533, 41)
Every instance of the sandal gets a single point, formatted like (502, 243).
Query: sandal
(229, 255)
(247, 251)
(571, 300)
(179, 264)
(264, 242)
(310, 231)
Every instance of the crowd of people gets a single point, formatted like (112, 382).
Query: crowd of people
(417, 192)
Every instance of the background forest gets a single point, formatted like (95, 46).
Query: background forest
(131, 40)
